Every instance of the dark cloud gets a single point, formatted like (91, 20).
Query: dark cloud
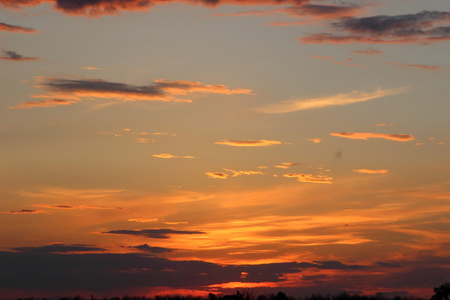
(409, 28)
(102, 7)
(147, 248)
(25, 212)
(387, 265)
(336, 265)
(14, 28)
(12, 55)
(154, 233)
(59, 248)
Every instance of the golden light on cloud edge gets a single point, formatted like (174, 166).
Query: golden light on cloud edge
(216, 175)
(327, 101)
(249, 143)
(310, 178)
(369, 135)
(369, 171)
(167, 155)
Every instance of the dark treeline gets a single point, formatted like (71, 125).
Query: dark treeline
(440, 293)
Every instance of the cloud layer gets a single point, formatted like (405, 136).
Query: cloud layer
(368, 135)
(249, 143)
(153, 233)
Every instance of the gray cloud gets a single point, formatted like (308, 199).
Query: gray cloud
(153, 233)
(59, 248)
(147, 248)
(15, 28)
(12, 55)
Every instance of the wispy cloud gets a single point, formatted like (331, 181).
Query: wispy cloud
(369, 171)
(249, 143)
(59, 248)
(422, 27)
(368, 135)
(61, 89)
(147, 248)
(315, 141)
(14, 56)
(310, 178)
(153, 233)
(90, 68)
(287, 165)
(167, 155)
(80, 207)
(327, 101)
(25, 212)
(15, 28)
(368, 51)
(239, 173)
(43, 103)
(217, 175)
(417, 66)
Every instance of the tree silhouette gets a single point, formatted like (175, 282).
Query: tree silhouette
(442, 292)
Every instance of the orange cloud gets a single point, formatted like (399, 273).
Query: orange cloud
(14, 28)
(423, 67)
(90, 68)
(81, 207)
(25, 212)
(43, 103)
(315, 141)
(327, 101)
(249, 143)
(368, 135)
(167, 155)
(368, 171)
(216, 175)
(310, 178)
(144, 220)
(287, 165)
(369, 51)
(238, 173)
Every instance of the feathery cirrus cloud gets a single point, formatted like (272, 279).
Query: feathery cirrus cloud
(43, 103)
(217, 175)
(310, 178)
(327, 101)
(61, 90)
(369, 135)
(249, 143)
(15, 28)
(369, 171)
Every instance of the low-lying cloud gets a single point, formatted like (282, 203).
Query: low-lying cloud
(368, 135)
(153, 233)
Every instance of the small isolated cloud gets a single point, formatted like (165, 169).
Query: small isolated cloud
(90, 68)
(12, 55)
(423, 27)
(368, 135)
(239, 173)
(287, 165)
(167, 155)
(385, 124)
(417, 66)
(153, 233)
(25, 212)
(147, 248)
(80, 207)
(315, 141)
(249, 143)
(144, 220)
(43, 103)
(59, 248)
(368, 51)
(16, 29)
(369, 171)
(310, 178)
(216, 175)
(327, 101)
(159, 90)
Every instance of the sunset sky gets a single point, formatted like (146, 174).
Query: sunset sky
(196, 146)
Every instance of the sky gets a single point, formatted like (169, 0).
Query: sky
(208, 146)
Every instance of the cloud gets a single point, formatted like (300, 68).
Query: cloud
(310, 178)
(327, 101)
(12, 55)
(90, 68)
(25, 212)
(418, 66)
(287, 165)
(385, 124)
(315, 141)
(216, 175)
(160, 90)
(166, 155)
(368, 171)
(144, 220)
(43, 103)
(147, 248)
(59, 248)
(368, 51)
(368, 135)
(81, 207)
(249, 143)
(410, 28)
(14, 28)
(153, 233)
(108, 7)
(322, 11)
(239, 173)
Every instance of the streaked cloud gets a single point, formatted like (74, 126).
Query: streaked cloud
(369, 171)
(239, 173)
(15, 28)
(249, 143)
(160, 90)
(167, 155)
(43, 103)
(57, 193)
(156, 250)
(385, 124)
(368, 51)
(14, 56)
(153, 233)
(422, 27)
(310, 178)
(417, 66)
(80, 207)
(287, 165)
(217, 175)
(327, 101)
(368, 135)
(59, 248)
(90, 68)
(144, 220)
(25, 212)
(315, 141)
